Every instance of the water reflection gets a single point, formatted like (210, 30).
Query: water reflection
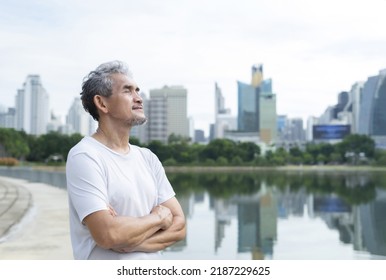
(339, 215)
(57, 179)
(272, 215)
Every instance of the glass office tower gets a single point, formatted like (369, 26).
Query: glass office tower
(248, 107)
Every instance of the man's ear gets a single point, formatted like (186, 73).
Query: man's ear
(99, 102)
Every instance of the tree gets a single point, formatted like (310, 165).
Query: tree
(52, 143)
(219, 147)
(248, 151)
(161, 150)
(355, 144)
(13, 143)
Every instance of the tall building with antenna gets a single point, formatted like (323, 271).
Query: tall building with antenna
(257, 107)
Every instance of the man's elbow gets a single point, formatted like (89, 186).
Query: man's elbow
(181, 233)
(106, 240)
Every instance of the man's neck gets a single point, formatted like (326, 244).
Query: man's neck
(115, 139)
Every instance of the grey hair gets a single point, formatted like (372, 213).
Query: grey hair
(99, 82)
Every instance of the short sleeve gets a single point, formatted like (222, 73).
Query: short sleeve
(165, 189)
(86, 184)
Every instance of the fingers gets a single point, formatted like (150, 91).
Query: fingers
(164, 214)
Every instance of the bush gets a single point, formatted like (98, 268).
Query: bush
(8, 161)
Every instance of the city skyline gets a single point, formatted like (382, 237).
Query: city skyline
(309, 50)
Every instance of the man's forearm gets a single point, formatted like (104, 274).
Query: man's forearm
(161, 239)
(164, 238)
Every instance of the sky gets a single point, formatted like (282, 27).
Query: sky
(312, 50)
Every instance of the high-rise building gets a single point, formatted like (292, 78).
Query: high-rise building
(355, 97)
(8, 118)
(372, 115)
(199, 136)
(78, 120)
(223, 119)
(248, 108)
(257, 75)
(268, 116)
(257, 107)
(141, 132)
(32, 107)
(55, 123)
(311, 121)
(343, 100)
(168, 113)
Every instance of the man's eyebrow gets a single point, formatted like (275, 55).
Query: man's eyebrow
(129, 87)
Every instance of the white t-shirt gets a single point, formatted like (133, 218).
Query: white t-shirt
(97, 177)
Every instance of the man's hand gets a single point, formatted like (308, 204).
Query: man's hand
(164, 214)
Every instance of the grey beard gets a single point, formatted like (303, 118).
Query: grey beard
(138, 121)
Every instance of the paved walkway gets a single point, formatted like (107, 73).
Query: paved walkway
(33, 221)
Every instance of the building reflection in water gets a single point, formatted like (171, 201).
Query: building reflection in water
(254, 217)
(257, 216)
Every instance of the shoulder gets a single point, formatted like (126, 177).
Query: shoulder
(146, 154)
(87, 146)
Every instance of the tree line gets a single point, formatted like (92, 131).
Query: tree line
(54, 147)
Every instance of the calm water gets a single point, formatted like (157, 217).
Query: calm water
(273, 215)
(318, 215)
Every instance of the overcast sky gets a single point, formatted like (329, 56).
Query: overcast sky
(312, 50)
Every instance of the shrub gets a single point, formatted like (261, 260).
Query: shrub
(8, 161)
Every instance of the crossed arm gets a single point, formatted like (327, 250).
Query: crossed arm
(161, 228)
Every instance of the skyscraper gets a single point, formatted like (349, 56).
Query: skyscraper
(168, 113)
(372, 115)
(248, 108)
(355, 97)
(78, 120)
(257, 75)
(141, 132)
(32, 107)
(268, 131)
(223, 119)
(257, 106)
(7, 118)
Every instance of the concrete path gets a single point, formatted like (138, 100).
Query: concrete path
(33, 221)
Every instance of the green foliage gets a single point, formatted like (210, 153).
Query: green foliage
(219, 152)
(219, 148)
(353, 189)
(356, 144)
(159, 149)
(53, 143)
(135, 141)
(380, 158)
(13, 143)
(170, 162)
(222, 161)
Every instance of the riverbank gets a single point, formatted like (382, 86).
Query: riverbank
(214, 169)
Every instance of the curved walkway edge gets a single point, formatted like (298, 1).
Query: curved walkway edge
(33, 221)
(15, 200)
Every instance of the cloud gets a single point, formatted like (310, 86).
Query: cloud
(311, 49)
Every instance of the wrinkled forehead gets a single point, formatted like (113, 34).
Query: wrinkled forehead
(122, 80)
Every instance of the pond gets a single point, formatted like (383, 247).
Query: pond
(282, 215)
(299, 215)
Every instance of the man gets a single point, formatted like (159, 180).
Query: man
(122, 205)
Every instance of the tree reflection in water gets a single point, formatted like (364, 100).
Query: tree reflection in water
(347, 202)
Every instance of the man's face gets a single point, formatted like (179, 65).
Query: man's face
(125, 103)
